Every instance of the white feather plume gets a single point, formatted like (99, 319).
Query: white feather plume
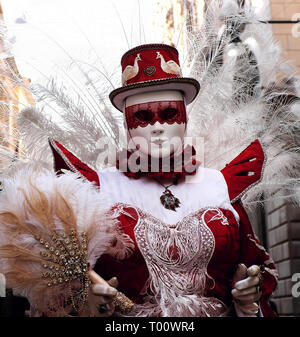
(244, 96)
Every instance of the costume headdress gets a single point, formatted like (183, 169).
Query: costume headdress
(152, 67)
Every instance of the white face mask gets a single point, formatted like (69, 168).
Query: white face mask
(156, 138)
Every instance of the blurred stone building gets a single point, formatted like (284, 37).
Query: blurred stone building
(13, 98)
(13, 94)
(177, 16)
(287, 33)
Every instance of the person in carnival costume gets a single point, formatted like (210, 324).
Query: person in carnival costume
(170, 236)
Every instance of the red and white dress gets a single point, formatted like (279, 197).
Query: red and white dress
(181, 263)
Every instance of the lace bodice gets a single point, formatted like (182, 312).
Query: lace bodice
(177, 258)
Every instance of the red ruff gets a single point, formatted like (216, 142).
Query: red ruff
(180, 166)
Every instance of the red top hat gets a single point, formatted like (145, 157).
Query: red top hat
(152, 67)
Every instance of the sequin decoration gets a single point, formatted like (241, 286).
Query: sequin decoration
(65, 261)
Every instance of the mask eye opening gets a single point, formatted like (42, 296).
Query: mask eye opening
(168, 113)
(144, 115)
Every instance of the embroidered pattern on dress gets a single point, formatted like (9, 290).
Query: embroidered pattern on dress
(220, 216)
(177, 258)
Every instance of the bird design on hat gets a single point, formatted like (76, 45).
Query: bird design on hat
(131, 71)
(170, 67)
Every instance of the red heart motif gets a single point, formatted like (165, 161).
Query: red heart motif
(150, 70)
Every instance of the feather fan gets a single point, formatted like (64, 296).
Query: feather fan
(53, 229)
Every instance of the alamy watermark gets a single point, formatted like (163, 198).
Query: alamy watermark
(133, 159)
(296, 26)
(296, 286)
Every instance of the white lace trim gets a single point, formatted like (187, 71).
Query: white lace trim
(66, 160)
(177, 258)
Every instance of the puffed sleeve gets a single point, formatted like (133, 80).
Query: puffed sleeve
(65, 160)
(241, 174)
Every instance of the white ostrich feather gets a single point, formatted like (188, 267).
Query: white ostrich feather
(229, 116)
(229, 8)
